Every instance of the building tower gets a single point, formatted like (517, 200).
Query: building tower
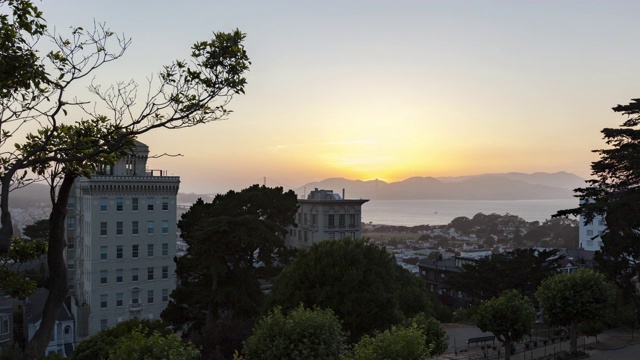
(325, 215)
(121, 240)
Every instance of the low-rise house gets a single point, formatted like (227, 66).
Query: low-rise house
(63, 339)
(6, 322)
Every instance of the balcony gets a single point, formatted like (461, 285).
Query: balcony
(135, 307)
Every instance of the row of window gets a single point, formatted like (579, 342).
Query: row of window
(135, 251)
(135, 227)
(135, 274)
(135, 204)
(135, 298)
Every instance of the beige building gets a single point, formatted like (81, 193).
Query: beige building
(325, 215)
(121, 240)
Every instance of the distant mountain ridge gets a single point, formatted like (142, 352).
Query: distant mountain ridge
(507, 186)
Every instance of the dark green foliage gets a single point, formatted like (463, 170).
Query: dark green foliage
(569, 299)
(520, 269)
(614, 193)
(300, 334)
(142, 344)
(435, 336)
(357, 279)
(37, 230)
(98, 346)
(228, 238)
(398, 342)
(509, 317)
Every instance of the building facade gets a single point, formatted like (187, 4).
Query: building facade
(325, 215)
(589, 234)
(63, 338)
(121, 240)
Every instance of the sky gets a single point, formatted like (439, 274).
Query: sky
(384, 89)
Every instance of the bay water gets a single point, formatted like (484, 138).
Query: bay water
(441, 212)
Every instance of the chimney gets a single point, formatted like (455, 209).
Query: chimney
(342, 193)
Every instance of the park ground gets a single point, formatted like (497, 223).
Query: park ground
(619, 344)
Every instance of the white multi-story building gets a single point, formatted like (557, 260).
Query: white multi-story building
(589, 235)
(121, 240)
(325, 215)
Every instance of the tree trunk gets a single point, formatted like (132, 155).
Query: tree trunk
(507, 350)
(58, 286)
(573, 337)
(6, 226)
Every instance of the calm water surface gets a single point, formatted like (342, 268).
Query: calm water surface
(441, 212)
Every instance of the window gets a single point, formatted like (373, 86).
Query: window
(134, 204)
(103, 204)
(150, 296)
(103, 276)
(134, 251)
(589, 232)
(70, 244)
(341, 220)
(150, 226)
(103, 301)
(119, 299)
(103, 253)
(352, 220)
(135, 296)
(134, 228)
(165, 227)
(304, 217)
(150, 250)
(103, 228)
(4, 325)
(104, 324)
(314, 219)
(165, 249)
(71, 264)
(71, 223)
(71, 203)
(601, 222)
(150, 201)
(119, 228)
(150, 273)
(332, 236)
(134, 274)
(165, 203)
(331, 220)
(165, 294)
(119, 251)
(119, 204)
(119, 275)
(165, 272)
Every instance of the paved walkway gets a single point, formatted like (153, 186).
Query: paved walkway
(613, 344)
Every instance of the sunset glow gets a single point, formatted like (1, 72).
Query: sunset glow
(386, 90)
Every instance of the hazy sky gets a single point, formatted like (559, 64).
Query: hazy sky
(386, 89)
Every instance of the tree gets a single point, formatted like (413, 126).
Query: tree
(357, 279)
(184, 94)
(435, 337)
(613, 193)
(520, 269)
(300, 334)
(37, 230)
(140, 345)
(395, 343)
(228, 238)
(509, 317)
(569, 299)
(98, 346)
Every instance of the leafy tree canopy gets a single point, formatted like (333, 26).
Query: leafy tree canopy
(357, 279)
(37, 230)
(228, 238)
(142, 345)
(301, 334)
(520, 269)
(398, 342)
(98, 346)
(568, 299)
(435, 337)
(509, 317)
